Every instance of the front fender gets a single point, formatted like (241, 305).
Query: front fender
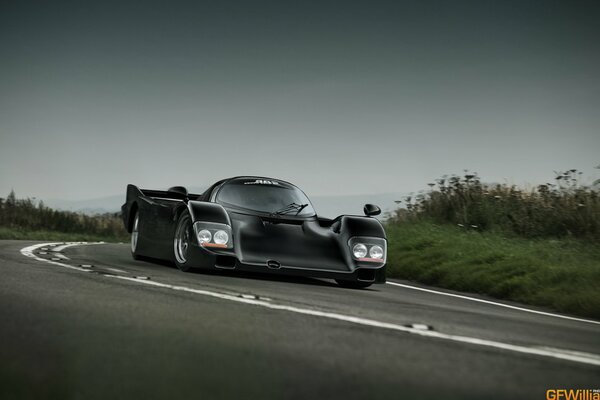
(204, 211)
(350, 226)
(353, 225)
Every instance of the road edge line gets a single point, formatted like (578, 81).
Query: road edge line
(524, 309)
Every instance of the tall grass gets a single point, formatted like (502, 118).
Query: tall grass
(559, 273)
(24, 218)
(563, 208)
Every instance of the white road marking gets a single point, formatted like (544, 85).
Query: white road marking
(421, 327)
(28, 252)
(547, 314)
(581, 357)
(116, 270)
(568, 355)
(253, 296)
(70, 244)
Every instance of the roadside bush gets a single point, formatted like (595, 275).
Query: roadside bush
(25, 215)
(564, 208)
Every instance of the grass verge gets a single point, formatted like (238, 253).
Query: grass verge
(23, 234)
(563, 274)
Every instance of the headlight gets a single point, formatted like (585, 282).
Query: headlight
(204, 236)
(213, 235)
(359, 250)
(221, 237)
(376, 252)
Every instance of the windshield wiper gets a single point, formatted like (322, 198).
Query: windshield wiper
(291, 208)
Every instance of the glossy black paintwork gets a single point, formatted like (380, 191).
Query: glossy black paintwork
(305, 245)
(309, 246)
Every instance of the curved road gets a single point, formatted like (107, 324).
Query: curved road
(87, 321)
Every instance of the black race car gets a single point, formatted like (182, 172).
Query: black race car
(255, 224)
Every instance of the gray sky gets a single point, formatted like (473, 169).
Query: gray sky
(340, 99)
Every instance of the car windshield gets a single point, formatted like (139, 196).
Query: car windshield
(265, 195)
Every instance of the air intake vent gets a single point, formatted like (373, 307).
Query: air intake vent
(227, 262)
(366, 275)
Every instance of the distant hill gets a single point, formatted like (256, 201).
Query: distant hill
(326, 206)
(98, 205)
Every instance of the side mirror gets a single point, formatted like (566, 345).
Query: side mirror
(371, 210)
(179, 189)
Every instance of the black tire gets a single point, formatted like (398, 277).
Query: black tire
(182, 241)
(135, 236)
(353, 284)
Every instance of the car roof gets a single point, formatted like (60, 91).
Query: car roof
(205, 196)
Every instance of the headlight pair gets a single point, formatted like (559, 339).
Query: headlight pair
(213, 235)
(368, 249)
(360, 251)
(220, 237)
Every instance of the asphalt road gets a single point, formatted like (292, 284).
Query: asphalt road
(73, 334)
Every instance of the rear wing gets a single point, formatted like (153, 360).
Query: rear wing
(134, 194)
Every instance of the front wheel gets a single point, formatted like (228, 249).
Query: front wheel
(182, 242)
(135, 234)
(353, 284)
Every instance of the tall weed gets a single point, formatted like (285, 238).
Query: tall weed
(563, 208)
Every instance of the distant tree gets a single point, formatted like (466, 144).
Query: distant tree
(11, 200)
(30, 214)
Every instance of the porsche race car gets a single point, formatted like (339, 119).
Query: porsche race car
(255, 224)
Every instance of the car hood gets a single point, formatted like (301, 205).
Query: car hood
(290, 243)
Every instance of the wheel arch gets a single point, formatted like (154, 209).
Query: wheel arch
(178, 211)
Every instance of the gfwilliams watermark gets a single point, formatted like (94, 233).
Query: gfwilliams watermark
(573, 394)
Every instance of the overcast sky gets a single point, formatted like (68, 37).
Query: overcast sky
(339, 98)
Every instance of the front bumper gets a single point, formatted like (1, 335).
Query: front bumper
(227, 260)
